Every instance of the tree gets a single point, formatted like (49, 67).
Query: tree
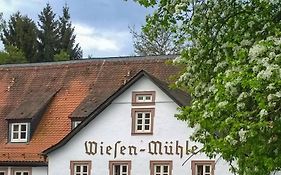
(232, 70)
(48, 35)
(62, 56)
(1, 22)
(163, 44)
(12, 55)
(67, 37)
(21, 32)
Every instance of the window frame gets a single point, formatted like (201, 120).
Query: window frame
(154, 163)
(4, 170)
(135, 94)
(128, 163)
(20, 124)
(22, 170)
(75, 123)
(195, 163)
(80, 163)
(134, 124)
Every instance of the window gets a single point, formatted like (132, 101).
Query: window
(161, 167)
(19, 132)
(142, 120)
(3, 171)
(21, 171)
(143, 98)
(75, 123)
(80, 167)
(119, 167)
(203, 167)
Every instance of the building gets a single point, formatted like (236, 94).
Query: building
(111, 116)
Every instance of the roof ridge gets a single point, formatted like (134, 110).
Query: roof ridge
(90, 60)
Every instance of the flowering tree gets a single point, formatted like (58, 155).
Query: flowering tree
(232, 70)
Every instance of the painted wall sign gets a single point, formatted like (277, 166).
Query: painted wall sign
(153, 147)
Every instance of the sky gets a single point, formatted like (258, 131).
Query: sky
(101, 26)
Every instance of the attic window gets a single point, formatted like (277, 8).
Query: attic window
(19, 132)
(143, 98)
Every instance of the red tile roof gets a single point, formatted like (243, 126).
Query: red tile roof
(83, 84)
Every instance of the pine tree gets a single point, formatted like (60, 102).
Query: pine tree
(48, 35)
(67, 37)
(21, 33)
(1, 22)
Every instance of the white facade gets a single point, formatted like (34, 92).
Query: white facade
(111, 132)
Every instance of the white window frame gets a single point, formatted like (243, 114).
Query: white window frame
(75, 123)
(19, 132)
(135, 120)
(144, 117)
(21, 172)
(144, 98)
(81, 164)
(161, 164)
(136, 101)
(204, 163)
(114, 164)
(3, 171)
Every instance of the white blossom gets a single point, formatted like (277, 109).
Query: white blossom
(231, 140)
(272, 104)
(277, 41)
(242, 96)
(206, 114)
(263, 112)
(242, 135)
(222, 104)
(240, 106)
(270, 86)
(272, 55)
(229, 86)
(278, 94)
(256, 50)
(270, 97)
(245, 42)
(209, 61)
(265, 74)
(213, 89)
(220, 65)
(255, 69)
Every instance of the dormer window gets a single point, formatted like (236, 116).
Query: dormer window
(75, 123)
(19, 132)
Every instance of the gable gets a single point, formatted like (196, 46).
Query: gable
(109, 101)
(113, 124)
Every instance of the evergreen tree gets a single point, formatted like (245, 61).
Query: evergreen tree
(1, 22)
(48, 35)
(21, 32)
(67, 37)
